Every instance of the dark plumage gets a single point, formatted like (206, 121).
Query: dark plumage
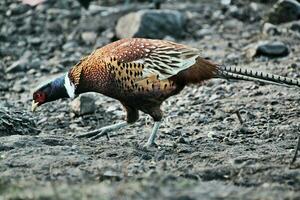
(141, 74)
(51, 91)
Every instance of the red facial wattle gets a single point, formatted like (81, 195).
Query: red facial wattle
(39, 97)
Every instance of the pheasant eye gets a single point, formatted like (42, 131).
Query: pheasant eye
(40, 97)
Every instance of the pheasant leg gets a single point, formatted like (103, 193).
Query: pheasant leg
(153, 135)
(102, 131)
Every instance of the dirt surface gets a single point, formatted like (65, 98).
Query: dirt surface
(203, 151)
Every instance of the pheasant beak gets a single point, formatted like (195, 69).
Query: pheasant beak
(34, 106)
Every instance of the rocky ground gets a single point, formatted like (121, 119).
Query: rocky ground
(203, 151)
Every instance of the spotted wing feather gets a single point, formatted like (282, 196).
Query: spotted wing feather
(159, 58)
(167, 61)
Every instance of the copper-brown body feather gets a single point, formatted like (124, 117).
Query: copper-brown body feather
(141, 73)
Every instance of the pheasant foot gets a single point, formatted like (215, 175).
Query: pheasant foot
(95, 134)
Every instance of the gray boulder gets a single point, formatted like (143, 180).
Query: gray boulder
(284, 11)
(151, 24)
(84, 104)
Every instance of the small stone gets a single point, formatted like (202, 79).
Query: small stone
(270, 29)
(184, 150)
(294, 66)
(35, 63)
(54, 27)
(111, 175)
(204, 32)
(89, 37)
(284, 11)
(272, 49)
(36, 41)
(182, 140)
(225, 2)
(84, 104)
(69, 46)
(146, 157)
(268, 49)
(4, 86)
(17, 8)
(247, 13)
(295, 27)
(211, 134)
(233, 58)
(18, 87)
(151, 24)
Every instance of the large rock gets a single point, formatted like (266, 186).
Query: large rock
(284, 11)
(151, 24)
(84, 104)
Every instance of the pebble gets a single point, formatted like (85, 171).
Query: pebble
(268, 49)
(18, 87)
(204, 32)
(295, 27)
(3, 86)
(54, 27)
(36, 41)
(184, 150)
(69, 46)
(111, 175)
(17, 9)
(35, 63)
(272, 49)
(89, 37)
(225, 2)
(182, 140)
(270, 29)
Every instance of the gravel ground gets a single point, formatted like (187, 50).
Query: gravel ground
(203, 151)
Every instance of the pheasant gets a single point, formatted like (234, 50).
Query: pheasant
(141, 74)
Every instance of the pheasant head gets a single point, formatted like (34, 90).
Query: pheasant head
(61, 87)
(65, 86)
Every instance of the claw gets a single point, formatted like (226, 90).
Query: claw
(88, 134)
(102, 131)
(149, 147)
(107, 136)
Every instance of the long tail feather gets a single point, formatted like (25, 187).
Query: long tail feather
(251, 75)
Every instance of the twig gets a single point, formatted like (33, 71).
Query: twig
(237, 112)
(296, 151)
